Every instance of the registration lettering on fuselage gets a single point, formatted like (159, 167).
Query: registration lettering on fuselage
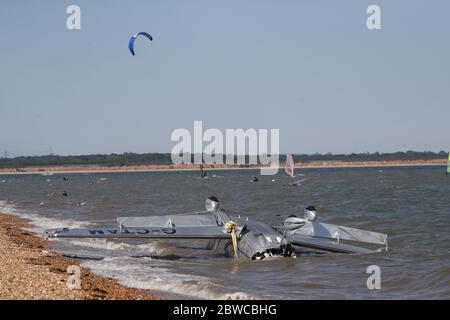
(141, 231)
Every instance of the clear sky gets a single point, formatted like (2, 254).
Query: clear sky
(310, 68)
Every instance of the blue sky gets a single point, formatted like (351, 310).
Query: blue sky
(309, 68)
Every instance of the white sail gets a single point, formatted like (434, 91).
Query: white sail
(290, 166)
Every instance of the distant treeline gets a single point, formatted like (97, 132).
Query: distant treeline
(128, 159)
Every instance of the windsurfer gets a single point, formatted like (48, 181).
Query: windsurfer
(202, 171)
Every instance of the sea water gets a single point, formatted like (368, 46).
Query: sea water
(410, 204)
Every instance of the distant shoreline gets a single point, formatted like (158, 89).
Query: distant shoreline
(195, 167)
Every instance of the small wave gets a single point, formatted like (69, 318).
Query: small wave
(144, 276)
(111, 245)
(40, 223)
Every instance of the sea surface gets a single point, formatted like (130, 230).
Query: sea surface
(410, 204)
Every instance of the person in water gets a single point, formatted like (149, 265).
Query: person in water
(202, 171)
(65, 194)
(254, 179)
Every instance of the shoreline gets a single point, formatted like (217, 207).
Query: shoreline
(31, 269)
(215, 167)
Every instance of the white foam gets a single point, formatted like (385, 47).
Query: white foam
(141, 274)
(40, 223)
(104, 244)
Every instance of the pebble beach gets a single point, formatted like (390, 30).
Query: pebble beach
(31, 270)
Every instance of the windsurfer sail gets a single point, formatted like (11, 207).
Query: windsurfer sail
(448, 164)
(290, 168)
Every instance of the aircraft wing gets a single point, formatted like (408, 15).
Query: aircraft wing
(324, 244)
(200, 232)
(154, 227)
(329, 237)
